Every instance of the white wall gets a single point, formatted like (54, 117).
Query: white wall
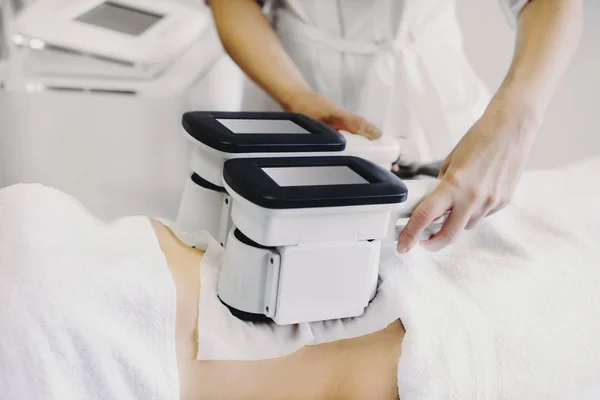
(571, 128)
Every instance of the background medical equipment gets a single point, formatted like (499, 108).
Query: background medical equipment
(5, 13)
(3, 46)
(302, 223)
(142, 35)
(104, 125)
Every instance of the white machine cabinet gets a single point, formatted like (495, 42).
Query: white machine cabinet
(103, 124)
(145, 35)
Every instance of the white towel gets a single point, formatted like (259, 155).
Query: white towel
(87, 309)
(512, 310)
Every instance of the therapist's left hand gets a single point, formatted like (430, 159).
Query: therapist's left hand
(478, 178)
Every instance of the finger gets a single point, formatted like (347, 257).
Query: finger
(475, 220)
(455, 223)
(484, 211)
(360, 126)
(433, 207)
(496, 209)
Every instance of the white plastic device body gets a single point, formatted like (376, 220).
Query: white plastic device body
(315, 263)
(293, 284)
(383, 151)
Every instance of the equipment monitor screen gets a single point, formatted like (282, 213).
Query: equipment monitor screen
(120, 18)
(262, 126)
(314, 176)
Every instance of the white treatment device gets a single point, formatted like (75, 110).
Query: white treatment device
(302, 223)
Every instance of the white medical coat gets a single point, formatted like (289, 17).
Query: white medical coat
(398, 63)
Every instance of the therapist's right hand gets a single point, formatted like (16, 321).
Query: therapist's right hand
(319, 107)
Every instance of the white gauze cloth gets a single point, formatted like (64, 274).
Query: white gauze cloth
(87, 309)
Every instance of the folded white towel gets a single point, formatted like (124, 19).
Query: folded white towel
(87, 309)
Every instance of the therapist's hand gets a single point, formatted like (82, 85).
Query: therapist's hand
(321, 108)
(478, 178)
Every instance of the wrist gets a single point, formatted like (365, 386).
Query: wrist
(516, 105)
(291, 96)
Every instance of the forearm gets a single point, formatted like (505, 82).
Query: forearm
(548, 34)
(252, 43)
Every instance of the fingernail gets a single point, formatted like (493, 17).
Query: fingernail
(371, 132)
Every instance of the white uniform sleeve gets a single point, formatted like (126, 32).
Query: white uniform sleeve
(512, 9)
